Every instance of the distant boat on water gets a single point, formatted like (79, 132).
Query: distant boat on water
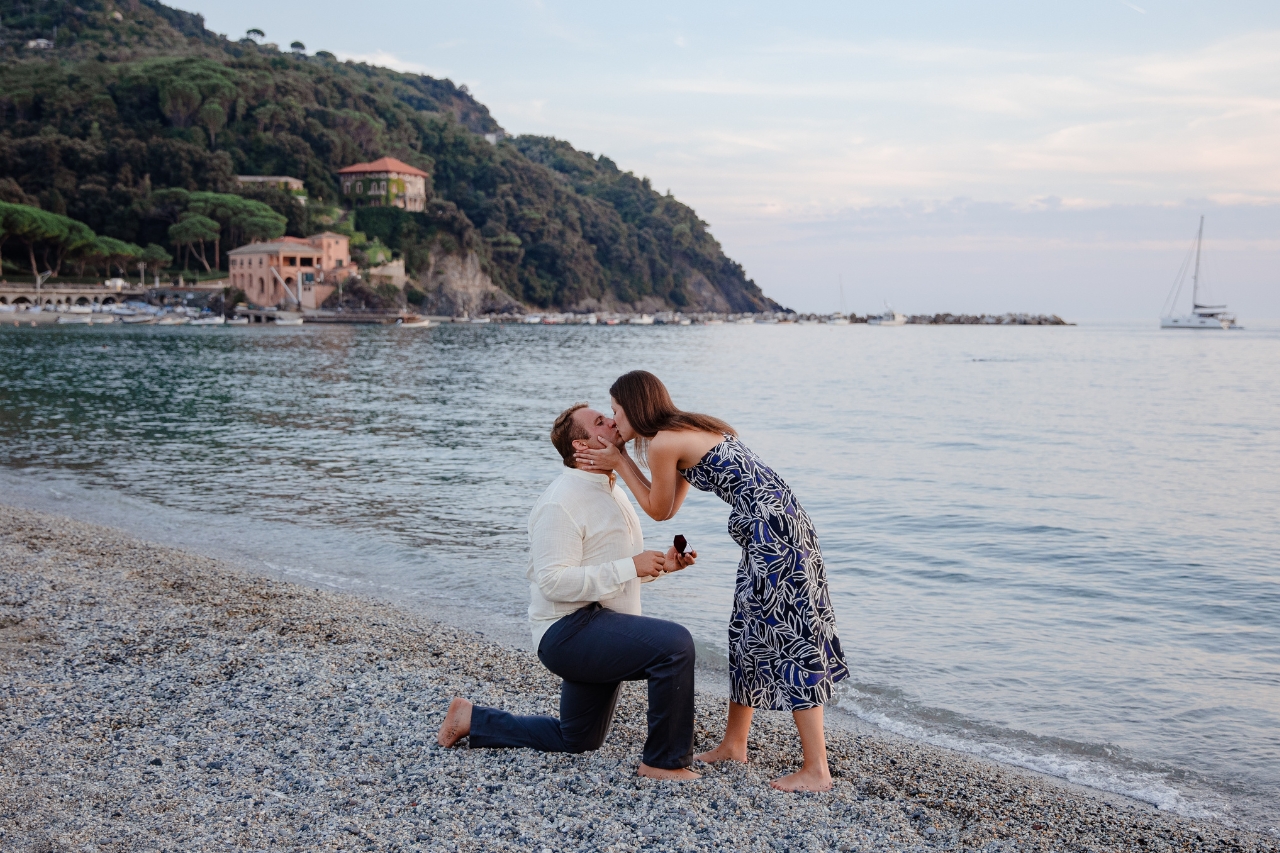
(888, 318)
(1201, 316)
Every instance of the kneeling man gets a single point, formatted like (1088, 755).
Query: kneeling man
(586, 564)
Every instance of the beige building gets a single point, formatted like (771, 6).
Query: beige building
(293, 186)
(386, 182)
(292, 269)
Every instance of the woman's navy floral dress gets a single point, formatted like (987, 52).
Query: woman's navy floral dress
(784, 654)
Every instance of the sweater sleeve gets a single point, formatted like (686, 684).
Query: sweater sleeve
(555, 545)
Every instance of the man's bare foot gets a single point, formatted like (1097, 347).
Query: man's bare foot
(682, 774)
(457, 722)
(722, 753)
(803, 780)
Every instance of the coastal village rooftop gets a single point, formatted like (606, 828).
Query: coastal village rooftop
(385, 182)
(291, 185)
(292, 269)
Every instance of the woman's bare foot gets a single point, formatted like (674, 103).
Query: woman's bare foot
(723, 752)
(682, 774)
(457, 722)
(804, 780)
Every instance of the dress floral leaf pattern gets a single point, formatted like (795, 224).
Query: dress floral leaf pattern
(784, 654)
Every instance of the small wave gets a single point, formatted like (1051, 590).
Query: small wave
(1145, 786)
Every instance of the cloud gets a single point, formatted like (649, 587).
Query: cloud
(390, 60)
(824, 121)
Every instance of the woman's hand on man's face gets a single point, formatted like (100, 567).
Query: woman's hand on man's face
(606, 457)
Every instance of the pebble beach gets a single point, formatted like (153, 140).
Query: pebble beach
(152, 699)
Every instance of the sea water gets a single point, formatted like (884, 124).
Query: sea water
(1053, 546)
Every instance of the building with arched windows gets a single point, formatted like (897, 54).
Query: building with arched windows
(386, 182)
(292, 270)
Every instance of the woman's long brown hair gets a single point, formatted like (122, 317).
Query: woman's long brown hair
(650, 410)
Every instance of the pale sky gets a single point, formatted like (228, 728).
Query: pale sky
(965, 157)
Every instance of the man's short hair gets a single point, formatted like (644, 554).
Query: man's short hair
(565, 432)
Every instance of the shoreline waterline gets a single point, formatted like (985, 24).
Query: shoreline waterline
(152, 693)
(1142, 787)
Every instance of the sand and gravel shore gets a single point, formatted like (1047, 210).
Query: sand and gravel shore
(151, 699)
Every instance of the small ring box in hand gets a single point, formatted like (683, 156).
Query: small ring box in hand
(681, 544)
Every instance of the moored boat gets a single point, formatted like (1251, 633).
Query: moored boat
(888, 318)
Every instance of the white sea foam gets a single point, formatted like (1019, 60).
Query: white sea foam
(1147, 787)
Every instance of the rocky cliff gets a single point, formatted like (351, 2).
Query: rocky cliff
(136, 97)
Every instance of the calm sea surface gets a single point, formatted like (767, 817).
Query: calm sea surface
(1054, 546)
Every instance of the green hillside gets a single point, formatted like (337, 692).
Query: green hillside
(135, 98)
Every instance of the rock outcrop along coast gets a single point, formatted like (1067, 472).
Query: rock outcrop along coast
(151, 699)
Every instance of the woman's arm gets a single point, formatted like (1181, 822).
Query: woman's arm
(640, 485)
(661, 496)
(668, 490)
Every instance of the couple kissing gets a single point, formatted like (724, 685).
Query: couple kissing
(586, 565)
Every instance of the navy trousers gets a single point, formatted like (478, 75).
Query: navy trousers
(594, 650)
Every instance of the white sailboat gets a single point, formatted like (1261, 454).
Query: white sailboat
(841, 318)
(1201, 316)
(888, 318)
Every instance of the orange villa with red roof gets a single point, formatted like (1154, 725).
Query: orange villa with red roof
(386, 182)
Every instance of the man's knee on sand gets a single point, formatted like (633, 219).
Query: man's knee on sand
(586, 734)
(586, 742)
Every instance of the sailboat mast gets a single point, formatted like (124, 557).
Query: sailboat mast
(1195, 278)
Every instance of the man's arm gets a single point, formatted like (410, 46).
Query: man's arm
(555, 545)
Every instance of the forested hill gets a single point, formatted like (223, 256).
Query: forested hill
(135, 97)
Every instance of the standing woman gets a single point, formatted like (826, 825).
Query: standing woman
(784, 654)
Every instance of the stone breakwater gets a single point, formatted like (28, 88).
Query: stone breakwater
(155, 700)
(987, 320)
